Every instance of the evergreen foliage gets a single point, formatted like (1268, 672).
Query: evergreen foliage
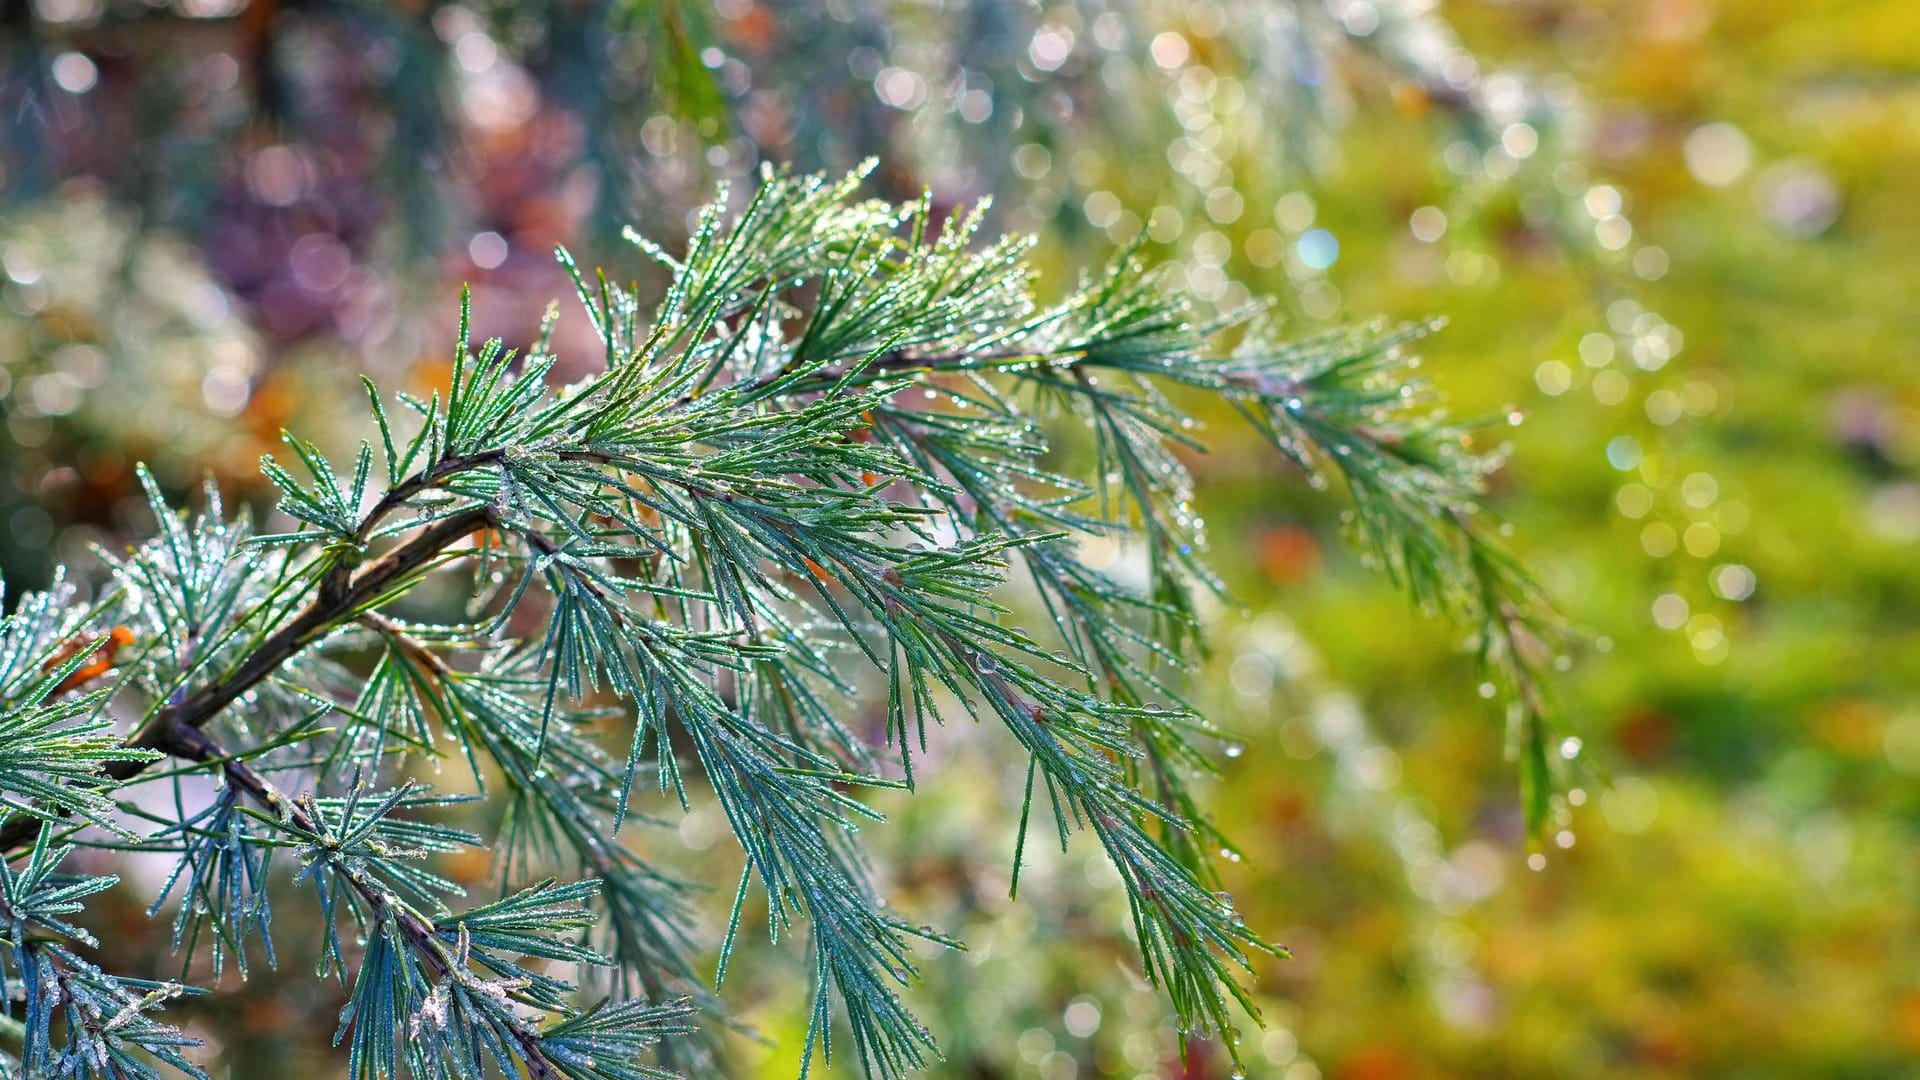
(815, 469)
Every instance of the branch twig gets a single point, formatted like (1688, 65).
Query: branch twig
(173, 728)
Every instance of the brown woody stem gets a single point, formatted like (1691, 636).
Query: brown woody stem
(173, 728)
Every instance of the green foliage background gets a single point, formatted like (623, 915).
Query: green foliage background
(1739, 894)
(1740, 899)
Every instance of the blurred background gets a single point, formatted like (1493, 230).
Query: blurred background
(1680, 238)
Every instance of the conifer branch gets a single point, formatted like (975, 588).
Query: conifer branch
(825, 448)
